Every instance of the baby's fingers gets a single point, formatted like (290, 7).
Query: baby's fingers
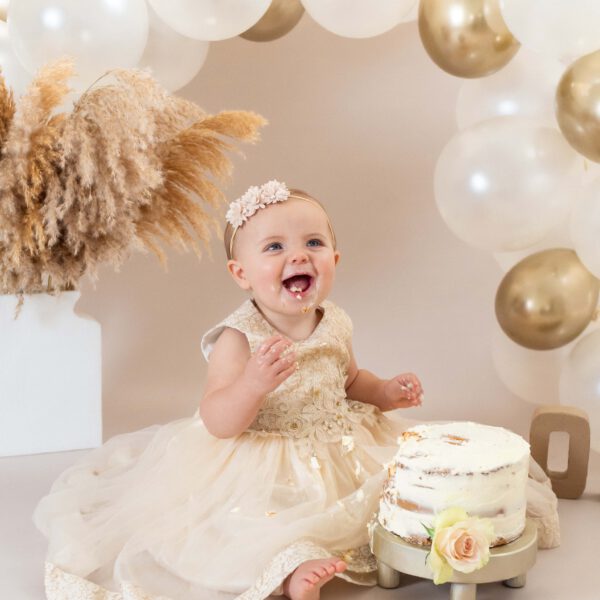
(266, 345)
(410, 383)
(270, 349)
(284, 362)
(286, 372)
(416, 400)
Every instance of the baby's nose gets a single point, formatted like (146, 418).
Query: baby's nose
(299, 257)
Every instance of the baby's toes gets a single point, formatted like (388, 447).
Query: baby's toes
(340, 566)
(313, 577)
(322, 572)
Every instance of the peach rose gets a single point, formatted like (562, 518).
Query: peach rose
(465, 545)
(460, 543)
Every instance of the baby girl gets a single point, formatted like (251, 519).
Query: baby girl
(282, 374)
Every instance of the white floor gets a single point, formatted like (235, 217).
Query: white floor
(569, 572)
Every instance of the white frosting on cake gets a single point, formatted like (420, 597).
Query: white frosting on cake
(479, 468)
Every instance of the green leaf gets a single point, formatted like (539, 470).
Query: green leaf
(430, 531)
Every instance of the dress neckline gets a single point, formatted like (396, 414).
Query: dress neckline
(321, 307)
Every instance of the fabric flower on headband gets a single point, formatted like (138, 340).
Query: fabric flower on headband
(243, 208)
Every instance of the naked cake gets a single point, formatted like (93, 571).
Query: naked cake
(479, 468)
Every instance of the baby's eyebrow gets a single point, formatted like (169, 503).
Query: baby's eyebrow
(271, 237)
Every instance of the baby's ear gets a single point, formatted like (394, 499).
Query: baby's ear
(236, 270)
(336, 257)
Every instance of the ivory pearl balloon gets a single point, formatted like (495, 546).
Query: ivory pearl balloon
(163, 44)
(580, 381)
(111, 35)
(554, 28)
(210, 20)
(505, 183)
(359, 18)
(525, 87)
(15, 75)
(585, 227)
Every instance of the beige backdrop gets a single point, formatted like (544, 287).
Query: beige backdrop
(360, 124)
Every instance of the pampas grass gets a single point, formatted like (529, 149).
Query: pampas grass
(130, 168)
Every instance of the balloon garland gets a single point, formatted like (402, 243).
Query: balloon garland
(509, 181)
(148, 33)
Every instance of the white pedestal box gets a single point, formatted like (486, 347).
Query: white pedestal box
(50, 376)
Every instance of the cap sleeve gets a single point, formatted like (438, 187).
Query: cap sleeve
(244, 319)
(209, 338)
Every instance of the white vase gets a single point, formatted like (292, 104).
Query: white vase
(50, 375)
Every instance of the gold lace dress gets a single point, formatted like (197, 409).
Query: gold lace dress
(172, 513)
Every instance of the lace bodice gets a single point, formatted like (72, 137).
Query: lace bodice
(312, 402)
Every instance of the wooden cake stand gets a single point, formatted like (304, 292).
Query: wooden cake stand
(508, 563)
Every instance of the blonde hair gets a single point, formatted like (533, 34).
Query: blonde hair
(294, 193)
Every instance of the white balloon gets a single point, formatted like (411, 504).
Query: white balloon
(358, 18)
(529, 374)
(557, 238)
(564, 30)
(525, 87)
(412, 14)
(585, 227)
(14, 73)
(174, 59)
(102, 35)
(505, 183)
(580, 381)
(590, 171)
(210, 20)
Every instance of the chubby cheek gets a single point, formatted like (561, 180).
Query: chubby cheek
(327, 271)
(269, 277)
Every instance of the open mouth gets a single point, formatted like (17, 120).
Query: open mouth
(298, 285)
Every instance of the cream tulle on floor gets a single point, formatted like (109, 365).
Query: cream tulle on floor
(172, 512)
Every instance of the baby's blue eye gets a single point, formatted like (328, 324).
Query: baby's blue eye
(274, 246)
(315, 242)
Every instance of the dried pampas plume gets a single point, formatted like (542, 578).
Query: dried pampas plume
(131, 167)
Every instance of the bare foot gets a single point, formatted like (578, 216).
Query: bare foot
(306, 581)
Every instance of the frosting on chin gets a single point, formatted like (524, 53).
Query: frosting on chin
(479, 468)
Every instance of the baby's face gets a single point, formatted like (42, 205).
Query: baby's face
(285, 256)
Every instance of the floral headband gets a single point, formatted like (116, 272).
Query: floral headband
(255, 198)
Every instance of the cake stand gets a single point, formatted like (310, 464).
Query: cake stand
(508, 563)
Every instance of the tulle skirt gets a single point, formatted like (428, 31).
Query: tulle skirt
(172, 512)
(176, 512)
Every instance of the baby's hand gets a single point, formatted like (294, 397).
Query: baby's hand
(403, 391)
(267, 367)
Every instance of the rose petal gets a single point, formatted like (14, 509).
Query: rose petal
(442, 571)
(449, 517)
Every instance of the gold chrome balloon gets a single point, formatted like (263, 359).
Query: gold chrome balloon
(547, 299)
(281, 18)
(578, 105)
(466, 38)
